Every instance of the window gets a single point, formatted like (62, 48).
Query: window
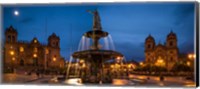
(56, 43)
(171, 43)
(21, 62)
(9, 38)
(13, 38)
(21, 49)
(149, 46)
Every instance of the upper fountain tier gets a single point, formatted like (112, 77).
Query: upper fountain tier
(97, 29)
(95, 52)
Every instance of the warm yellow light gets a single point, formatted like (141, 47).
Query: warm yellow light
(13, 58)
(12, 52)
(194, 56)
(129, 66)
(54, 58)
(47, 51)
(21, 49)
(141, 63)
(35, 41)
(190, 56)
(112, 66)
(160, 61)
(34, 55)
(118, 58)
(81, 61)
(188, 63)
(84, 66)
(117, 65)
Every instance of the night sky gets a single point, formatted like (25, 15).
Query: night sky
(128, 23)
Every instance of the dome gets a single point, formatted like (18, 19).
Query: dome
(171, 34)
(53, 35)
(150, 38)
(11, 30)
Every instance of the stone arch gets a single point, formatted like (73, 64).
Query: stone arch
(21, 62)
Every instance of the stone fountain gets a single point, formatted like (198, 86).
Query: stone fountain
(95, 55)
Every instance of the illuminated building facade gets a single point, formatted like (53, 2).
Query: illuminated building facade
(33, 54)
(162, 55)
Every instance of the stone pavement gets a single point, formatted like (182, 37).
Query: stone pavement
(13, 78)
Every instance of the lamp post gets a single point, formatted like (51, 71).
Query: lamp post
(191, 60)
(54, 60)
(12, 53)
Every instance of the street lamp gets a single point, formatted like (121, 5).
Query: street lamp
(34, 55)
(81, 61)
(130, 65)
(118, 59)
(191, 56)
(112, 66)
(188, 63)
(54, 58)
(141, 63)
(12, 53)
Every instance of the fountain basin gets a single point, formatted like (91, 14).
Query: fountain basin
(102, 54)
(96, 33)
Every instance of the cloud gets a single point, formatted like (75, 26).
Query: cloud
(182, 12)
(26, 20)
(186, 47)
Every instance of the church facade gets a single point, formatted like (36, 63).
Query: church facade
(33, 54)
(164, 55)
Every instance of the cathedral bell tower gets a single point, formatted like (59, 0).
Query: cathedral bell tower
(172, 49)
(149, 47)
(11, 35)
(54, 41)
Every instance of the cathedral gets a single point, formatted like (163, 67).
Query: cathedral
(33, 54)
(164, 55)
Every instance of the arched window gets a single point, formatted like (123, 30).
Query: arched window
(56, 43)
(21, 62)
(148, 46)
(9, 38)
(13, 38)
(171, 43)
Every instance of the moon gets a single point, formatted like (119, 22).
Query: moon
(16, 13)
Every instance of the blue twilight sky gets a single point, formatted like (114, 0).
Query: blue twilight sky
(128, 23)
